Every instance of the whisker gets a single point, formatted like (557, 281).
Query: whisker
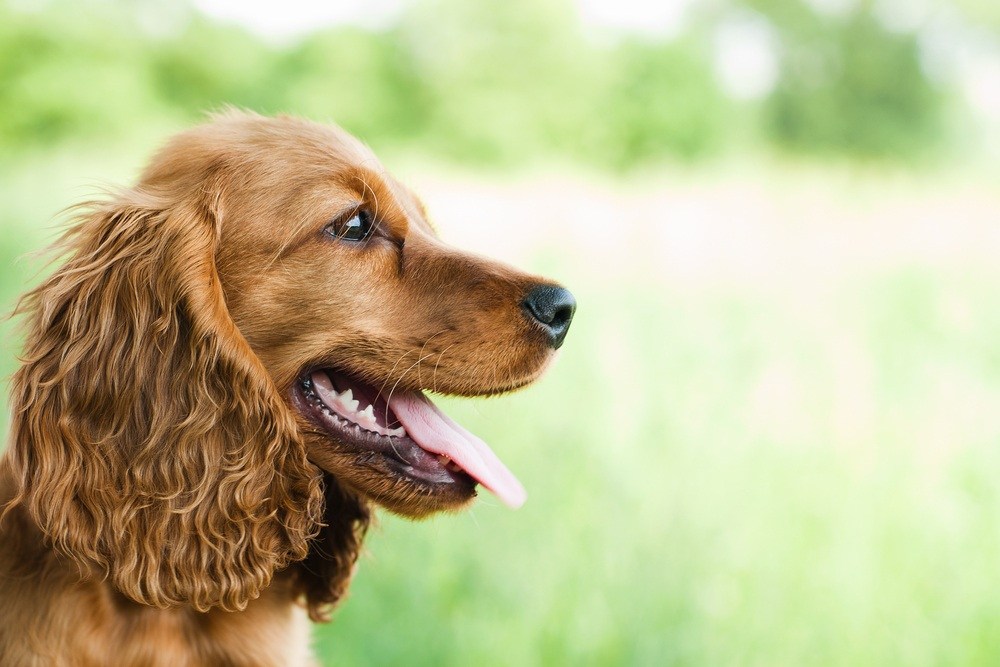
(403, 375)
(420, 379)
(392, 370)
(401, 357)
(381, 389)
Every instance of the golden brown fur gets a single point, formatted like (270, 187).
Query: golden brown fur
(165, 504)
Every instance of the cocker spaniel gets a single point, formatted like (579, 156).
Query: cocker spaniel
(222, 377)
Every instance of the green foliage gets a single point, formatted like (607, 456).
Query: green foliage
(210, 66)
(981, 12)
(670, 524)
(854, 88)
(365, 82)
(661, 101)
(485, 83)
(503, 79)
(61, 78)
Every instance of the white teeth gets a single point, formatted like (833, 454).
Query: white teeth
(347, 400)
(367, 417)
(443, 460)
(345, 406)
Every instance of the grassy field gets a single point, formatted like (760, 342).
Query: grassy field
(772, 437)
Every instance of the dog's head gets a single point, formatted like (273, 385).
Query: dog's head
(251, 327)
(333, 274)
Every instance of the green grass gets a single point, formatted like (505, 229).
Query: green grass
(781, 460)
(669, 524)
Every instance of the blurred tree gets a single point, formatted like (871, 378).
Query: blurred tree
(506, 80)
(206, 65)
(66, 74)
(662, 100)
(364, 80)
(849, 85)
(489, 83)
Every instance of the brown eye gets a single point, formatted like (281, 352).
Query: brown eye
(355, 227)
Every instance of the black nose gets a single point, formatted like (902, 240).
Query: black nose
(553, 308)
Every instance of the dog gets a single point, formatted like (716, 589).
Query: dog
(222, 378)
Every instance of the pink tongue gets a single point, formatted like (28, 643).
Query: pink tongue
(437, 433)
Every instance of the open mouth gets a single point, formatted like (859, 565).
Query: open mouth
(409, 432)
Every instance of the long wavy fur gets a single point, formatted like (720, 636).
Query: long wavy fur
(149, 444)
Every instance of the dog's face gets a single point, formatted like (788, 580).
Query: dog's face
(228, 364)
(335, 277)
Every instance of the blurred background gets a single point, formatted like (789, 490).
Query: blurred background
(773, 435)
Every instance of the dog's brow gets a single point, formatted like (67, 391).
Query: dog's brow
(412, 207)
(388, 208)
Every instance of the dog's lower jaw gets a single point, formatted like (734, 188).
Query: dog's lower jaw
(373, 482)
(379, 472)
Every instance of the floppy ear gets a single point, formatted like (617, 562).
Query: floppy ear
(148, 442)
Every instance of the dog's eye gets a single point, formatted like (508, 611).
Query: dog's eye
(356, 227)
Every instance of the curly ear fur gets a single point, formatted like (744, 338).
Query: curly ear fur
(148, 442)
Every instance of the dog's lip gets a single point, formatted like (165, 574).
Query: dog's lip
(406, 430)
(401, 454)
